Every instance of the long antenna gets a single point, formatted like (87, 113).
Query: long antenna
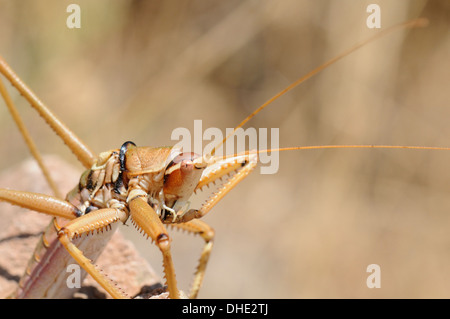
(319, 147)
(316, 147)
(415, 23)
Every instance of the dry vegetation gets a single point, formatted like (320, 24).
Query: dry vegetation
(136, 70)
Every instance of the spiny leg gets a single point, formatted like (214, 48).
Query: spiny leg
(28, 139)
(59, 208)
(201, 228)
(76, 145)
(146, 219)
(189, 220)
(95, 220)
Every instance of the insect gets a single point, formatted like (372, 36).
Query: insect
(119, 156)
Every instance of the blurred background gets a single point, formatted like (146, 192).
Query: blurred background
(136, 70)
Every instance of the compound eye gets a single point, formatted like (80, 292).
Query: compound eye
(182, 157)
(189, 156)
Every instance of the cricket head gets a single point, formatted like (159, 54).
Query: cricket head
(181, 177)
(187, 174)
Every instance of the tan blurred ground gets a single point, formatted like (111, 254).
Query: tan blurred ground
(136, 70)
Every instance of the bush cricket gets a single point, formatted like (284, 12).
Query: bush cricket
(119, 170)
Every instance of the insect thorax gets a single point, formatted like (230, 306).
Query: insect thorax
(106, 185)
(100, 186)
